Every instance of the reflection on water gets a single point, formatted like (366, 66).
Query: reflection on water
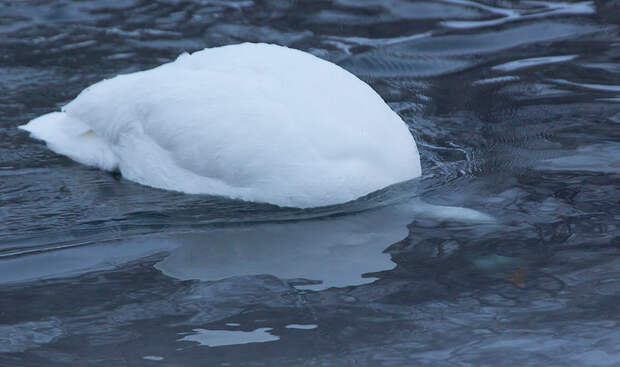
(64, 263)
(317, 254)
(505, 253)
(333, 252)
(218, 338)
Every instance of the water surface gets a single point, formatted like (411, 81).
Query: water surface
(506, 252)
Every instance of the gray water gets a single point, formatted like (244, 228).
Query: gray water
(505, 253)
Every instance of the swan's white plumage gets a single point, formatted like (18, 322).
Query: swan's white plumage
(251, 121)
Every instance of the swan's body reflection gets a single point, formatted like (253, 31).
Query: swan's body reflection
(333, 251)
(336, 251)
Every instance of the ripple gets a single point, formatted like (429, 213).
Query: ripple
(541, 9)
(514, 106)
(535, 61)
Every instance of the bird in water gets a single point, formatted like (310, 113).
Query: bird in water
(255, 122)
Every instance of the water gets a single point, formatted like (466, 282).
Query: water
(506, 252)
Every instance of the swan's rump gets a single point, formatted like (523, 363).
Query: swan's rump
(71, 137)
(255, 122)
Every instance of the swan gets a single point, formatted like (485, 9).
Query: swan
(256, 122)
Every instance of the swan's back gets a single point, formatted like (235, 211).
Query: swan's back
(252, 121)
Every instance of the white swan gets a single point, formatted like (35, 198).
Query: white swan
(256, 122)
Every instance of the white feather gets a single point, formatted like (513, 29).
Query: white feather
(256, 122)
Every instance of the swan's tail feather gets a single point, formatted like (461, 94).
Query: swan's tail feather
(73, 138)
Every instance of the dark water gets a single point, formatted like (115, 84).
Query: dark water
(516, 110)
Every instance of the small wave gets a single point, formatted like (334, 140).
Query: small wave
(541, 9)
(597, 87)
(534, 61)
